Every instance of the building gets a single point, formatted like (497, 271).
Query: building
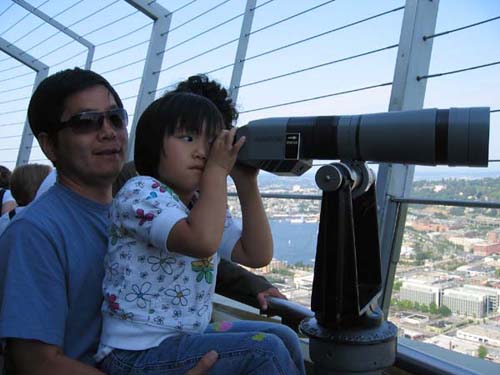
(492, 296)
(486, 249)
(465, 301)
(482, 334)
(421, 293)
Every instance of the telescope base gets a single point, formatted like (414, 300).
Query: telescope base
(350, 351)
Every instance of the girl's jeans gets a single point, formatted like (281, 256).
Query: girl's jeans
(244, 347)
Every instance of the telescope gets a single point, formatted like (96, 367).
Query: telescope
(287, 145)
(347, 330)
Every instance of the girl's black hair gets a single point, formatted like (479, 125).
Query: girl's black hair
(173, 111)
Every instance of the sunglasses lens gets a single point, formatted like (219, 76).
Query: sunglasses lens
(118, 118)
(88, 122)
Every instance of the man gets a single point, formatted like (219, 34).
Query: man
(51, 255)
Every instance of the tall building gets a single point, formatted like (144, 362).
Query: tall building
(464, 301)
(417, 292)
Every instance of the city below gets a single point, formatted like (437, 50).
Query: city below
(447, 286)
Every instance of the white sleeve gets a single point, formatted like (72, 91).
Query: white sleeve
(147, 209)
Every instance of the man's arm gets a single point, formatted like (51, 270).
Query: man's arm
(35, 357)
(234, 281)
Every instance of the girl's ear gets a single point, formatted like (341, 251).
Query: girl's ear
(48, 146)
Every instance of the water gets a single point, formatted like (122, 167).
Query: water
(294, 242)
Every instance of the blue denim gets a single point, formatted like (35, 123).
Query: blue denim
(244, 347)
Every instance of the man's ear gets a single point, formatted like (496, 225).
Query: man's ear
(48, 146)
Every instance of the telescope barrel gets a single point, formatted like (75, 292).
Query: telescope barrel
(455, 137)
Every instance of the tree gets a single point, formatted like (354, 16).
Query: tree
(397, 285)
(433, 308)
(444, 311)
(497, 272)
(482, 352)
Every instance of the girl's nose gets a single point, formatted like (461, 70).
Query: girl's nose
(201, 150)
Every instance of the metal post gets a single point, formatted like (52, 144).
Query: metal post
(154, 60)
(413, 60)
(61, 28)
(42, 71)
(241, 52)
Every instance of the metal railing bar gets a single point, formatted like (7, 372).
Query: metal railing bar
(284, 196)
(446, 202)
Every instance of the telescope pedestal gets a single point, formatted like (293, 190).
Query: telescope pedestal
(348, 334)
(354, 350)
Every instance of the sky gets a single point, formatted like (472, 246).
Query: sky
(120, 48)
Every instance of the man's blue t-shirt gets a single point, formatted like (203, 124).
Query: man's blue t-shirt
(51, 270)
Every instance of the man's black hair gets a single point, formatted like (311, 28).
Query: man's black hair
(175, 110)
(48, 101)
(200, 84)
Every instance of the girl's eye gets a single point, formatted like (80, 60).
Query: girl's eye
(187, 138)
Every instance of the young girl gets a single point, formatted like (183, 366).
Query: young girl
(169, 228)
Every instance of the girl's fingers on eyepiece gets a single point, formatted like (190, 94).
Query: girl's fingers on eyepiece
(239, 144)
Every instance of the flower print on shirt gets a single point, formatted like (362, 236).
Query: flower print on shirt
(159, 186)
(204, 268)
(143, 217)
(113, 306)
(162, 262)
(140, 295)
(178, 295)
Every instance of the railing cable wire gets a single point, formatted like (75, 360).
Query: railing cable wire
(6, 9)
(195, 17)
(22, 18)
(318, 66)
(457, 71)
(201, 33)
(318, 97)
(15, 100)
(425, 37)
(322, 34)
(291, 17)
(16, 88)
(73, 24)
(124, 35)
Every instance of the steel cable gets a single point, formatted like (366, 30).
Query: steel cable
(22, 18)
(318, 66)
(318, 97)
(323, 34)
(457, 71)
(194, 18)
(425, 37)
(201, 33)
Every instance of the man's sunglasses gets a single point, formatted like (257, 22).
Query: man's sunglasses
(88, 122)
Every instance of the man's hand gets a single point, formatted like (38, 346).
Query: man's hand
(206, 362)
(272, 292)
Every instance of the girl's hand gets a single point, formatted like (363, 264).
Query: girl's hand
(223, 153)
(243, 174)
